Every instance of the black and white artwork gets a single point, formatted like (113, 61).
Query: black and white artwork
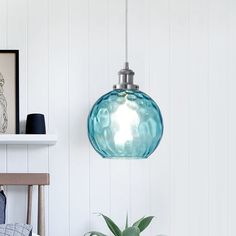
(9, 91)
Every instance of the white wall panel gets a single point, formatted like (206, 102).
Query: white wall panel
(183, 53)
(79, 101)
(59, 116)
(198, 106)
(3, 38)
(98, 81)
(16, 162)
(17, 12)
(231, 126)
(37, 86)
(179, 117)
(3, 23)
(159, 88)
(218, 116)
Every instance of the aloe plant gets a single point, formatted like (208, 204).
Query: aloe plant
(134, 230)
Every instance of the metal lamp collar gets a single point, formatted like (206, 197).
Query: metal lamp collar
(126, 79)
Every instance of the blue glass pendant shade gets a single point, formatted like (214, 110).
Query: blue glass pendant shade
(125, 123)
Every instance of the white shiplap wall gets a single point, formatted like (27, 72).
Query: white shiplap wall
(184, 54)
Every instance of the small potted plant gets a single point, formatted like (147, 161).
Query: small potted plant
(134, 230)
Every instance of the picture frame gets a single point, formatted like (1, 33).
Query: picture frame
(9, 92)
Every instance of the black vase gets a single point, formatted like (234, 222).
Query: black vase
(35, 124)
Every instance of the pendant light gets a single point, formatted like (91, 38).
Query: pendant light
(125, 123)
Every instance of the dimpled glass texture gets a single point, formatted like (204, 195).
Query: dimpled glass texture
(125, 124)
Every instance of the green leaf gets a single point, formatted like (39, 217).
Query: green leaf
(142, 224)
(138, 221)
(131, 231)
(112, 226)
(93, 233)
(127, 221)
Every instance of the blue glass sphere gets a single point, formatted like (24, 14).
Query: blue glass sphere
(125, 124)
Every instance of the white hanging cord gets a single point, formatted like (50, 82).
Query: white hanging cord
(126, 33)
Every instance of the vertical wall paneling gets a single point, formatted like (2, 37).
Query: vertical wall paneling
(231, 121)
(137, 35)
(37, 88)
(79, 106)
(16, 162)
(17, 31)
(59, 117)
(98, 85)
(119, 182)
(179, 46)
(198, 134)
(17, 155)
(159, 89)
(3, 23)
(3, 44)
(218, 80)
(3, 158)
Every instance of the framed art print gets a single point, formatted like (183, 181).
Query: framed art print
(9, 92)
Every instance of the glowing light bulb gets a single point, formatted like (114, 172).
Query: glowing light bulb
(126, 120)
